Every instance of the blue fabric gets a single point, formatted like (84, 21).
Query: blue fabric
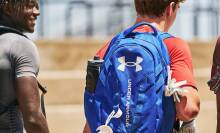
(132, 79)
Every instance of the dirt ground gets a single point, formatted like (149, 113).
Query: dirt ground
(63, 64)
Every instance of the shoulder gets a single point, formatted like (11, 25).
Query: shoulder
(177, 45)
(18, 45)
(18, 42)
(21, 41)
(24, 56)
(22, 49)
(175, 42)
(101, 52)
(21, 44)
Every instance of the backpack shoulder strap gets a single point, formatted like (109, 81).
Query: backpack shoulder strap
(5, 29)
(162, 36)
(165, 35)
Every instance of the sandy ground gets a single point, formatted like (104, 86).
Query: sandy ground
(64, 117)
(63, 72)
(70, 118)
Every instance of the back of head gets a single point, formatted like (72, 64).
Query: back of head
(152, 8)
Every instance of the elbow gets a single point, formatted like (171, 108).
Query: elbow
(34, 118)
(35, 122)
(189, 106)
(188, 114)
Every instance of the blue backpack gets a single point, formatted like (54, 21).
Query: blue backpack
(129, 95)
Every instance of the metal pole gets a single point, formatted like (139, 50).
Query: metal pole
(213, 14)
(68, 21)
(69, 14)
(217, 3)
(195, 19)
(89, 28)
(115, 19)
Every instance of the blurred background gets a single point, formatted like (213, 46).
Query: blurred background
(69, 32)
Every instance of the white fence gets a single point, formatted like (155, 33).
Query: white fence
(101, 18)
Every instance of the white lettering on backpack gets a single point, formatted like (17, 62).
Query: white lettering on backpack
(127, 118)
(123, 64)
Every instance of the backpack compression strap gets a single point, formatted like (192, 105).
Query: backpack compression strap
(44, 91)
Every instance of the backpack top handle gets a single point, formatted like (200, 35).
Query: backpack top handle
(125, 33)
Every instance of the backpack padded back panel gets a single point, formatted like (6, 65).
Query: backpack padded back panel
(129, 96)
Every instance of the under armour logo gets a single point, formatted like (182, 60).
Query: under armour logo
(123, 64)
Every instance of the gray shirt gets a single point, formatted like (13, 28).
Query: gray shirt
(18, 57)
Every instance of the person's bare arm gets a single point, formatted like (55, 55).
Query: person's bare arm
(86, 128)
(29, 103)
(188, 107)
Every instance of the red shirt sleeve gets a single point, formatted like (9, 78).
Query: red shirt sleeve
(180, 61)
(102, 51)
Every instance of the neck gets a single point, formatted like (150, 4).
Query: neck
(158, 22)
(7, 21)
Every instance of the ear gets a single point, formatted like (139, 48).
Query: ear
(170, 9)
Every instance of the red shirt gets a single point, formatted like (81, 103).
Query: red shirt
(180, 58)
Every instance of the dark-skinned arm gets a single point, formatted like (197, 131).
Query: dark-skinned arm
(29, 103)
